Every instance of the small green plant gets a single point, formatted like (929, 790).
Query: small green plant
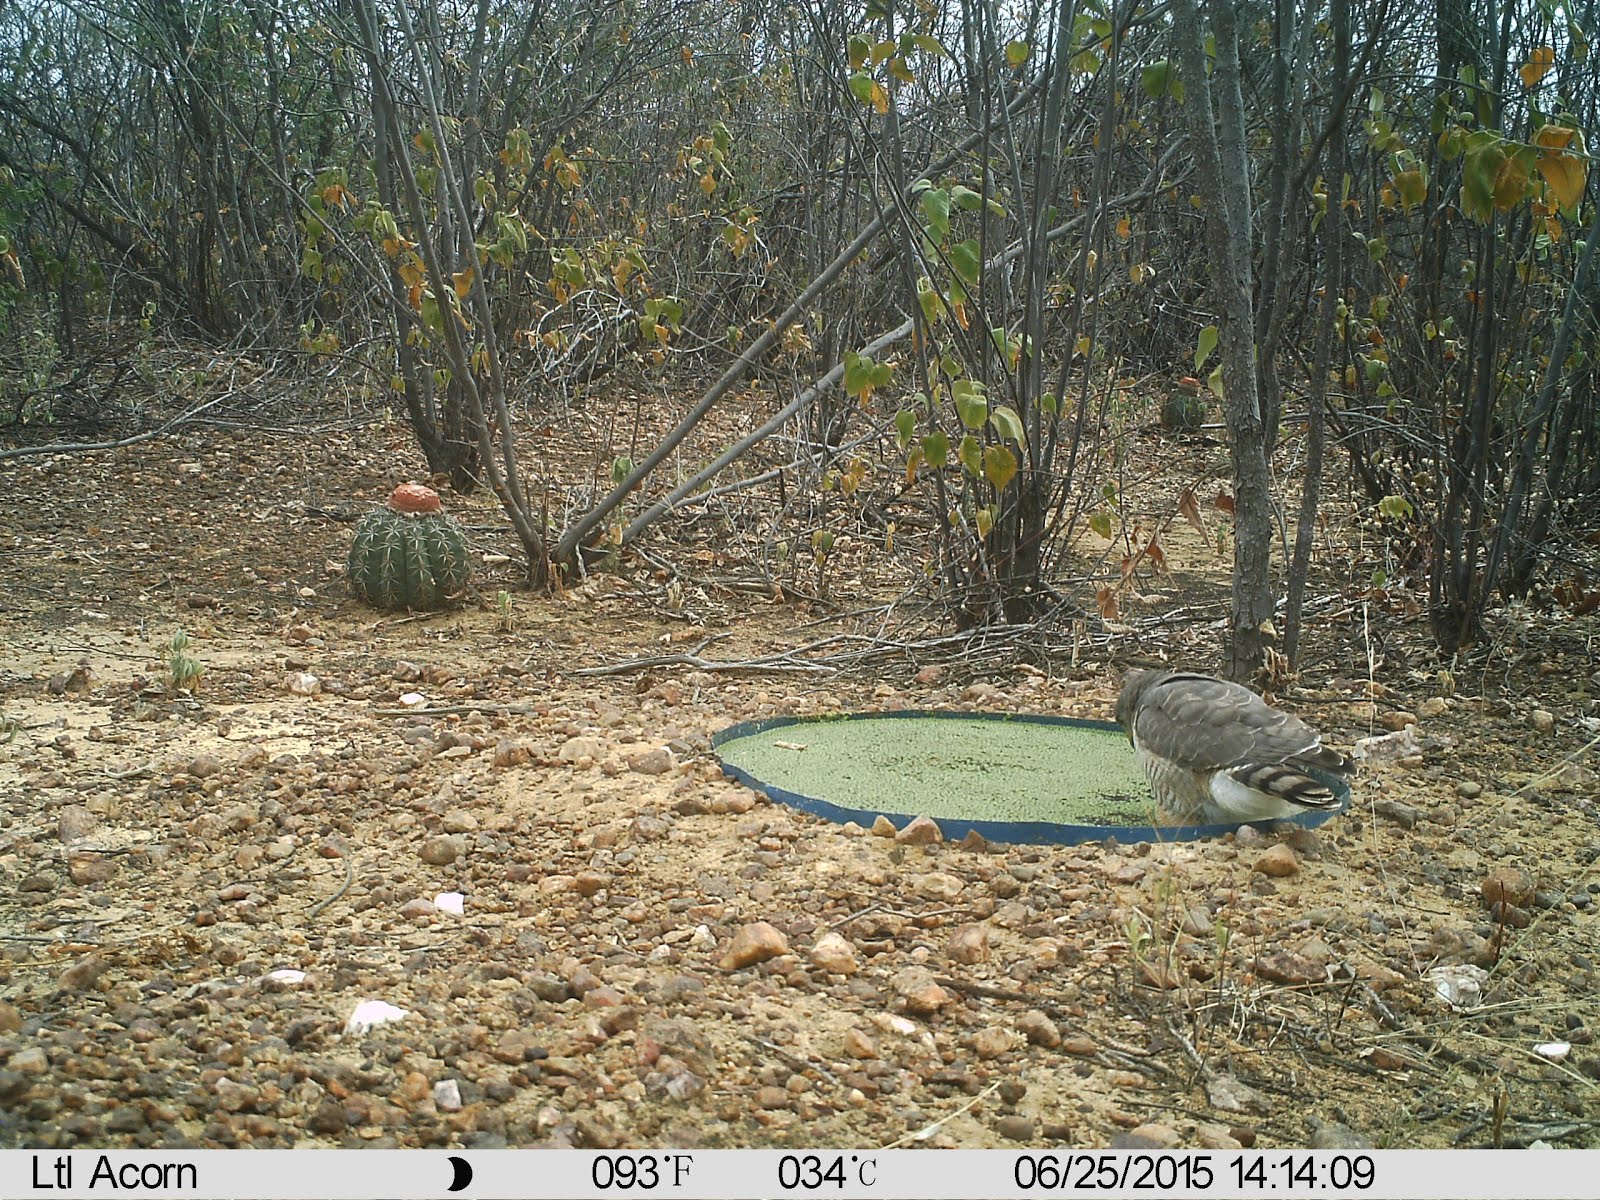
(1185, 408)
(409, 554)
(503, 604)
(183, 669)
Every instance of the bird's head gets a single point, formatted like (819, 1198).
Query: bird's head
(1134, 686)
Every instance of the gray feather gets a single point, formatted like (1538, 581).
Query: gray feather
(1214, 750)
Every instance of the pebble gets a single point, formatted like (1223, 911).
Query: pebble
(1395, 721)
(922, 831)
(1541, 720)
(1015, 1127)
(834, 954)
(581, 748)
(303, 683)
(754, 943)
(508, 753)
(1468, 790)
(75, 822)
(993, 1042)
(91, 868)
(655, 761)
(939, 885)
(921, 992)
(84, 973)
(459, 820)
(1157, 1135)
(1216, 1137)
(883, 827)
(1509, 885)
(10, 1017)
(32, 1061)
(1039, 1029)
(203, 766)
(1403, 815)
(1276, 862)
(772, 1098)
(1331, 1135)
(969, 944)
(440, 851)
(858, 1044)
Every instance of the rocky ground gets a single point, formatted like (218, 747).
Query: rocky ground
(596, 940)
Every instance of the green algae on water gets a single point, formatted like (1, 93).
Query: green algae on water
(955, 768)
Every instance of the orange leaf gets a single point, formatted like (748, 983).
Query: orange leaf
(1224, 503)
(1555, 137)
(1537, 66)
(1154, 552)
(1105, 600)
(1189, 508)
(463, 282)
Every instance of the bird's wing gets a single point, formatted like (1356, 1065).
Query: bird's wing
(1204, 724)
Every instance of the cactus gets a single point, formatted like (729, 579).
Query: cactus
(409, 554)
(1185, 408)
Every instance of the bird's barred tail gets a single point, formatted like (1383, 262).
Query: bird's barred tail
(1286, 781)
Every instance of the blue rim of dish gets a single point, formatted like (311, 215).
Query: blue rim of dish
(955, 829)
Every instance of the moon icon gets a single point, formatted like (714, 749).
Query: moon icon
(462, 1173)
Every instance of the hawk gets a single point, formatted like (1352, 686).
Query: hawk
(1215, 752)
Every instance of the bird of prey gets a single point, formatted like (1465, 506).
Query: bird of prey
(1215, 752)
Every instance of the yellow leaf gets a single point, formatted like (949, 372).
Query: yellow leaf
(1124, 229)
(707, 183)
(463, 282)
(1565, 175)
(1510, 183)
(999, 466)
(687, 54)
(1537, 66)
(984, 520)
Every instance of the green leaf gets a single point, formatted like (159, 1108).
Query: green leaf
(1412, 186)
(1017, 53)
(935, 204)
(905, 426)
(925, 43)
(936, 449)
(1007, 423)
(972, 406)
(1100, 523)
(1160, 79)
(857, 49)
(1395, 508)
(1206, 344)
(964, 259)
(970, 455)
(965, 198)
(862, 86)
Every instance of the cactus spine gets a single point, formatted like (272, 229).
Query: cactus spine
(409, 554)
